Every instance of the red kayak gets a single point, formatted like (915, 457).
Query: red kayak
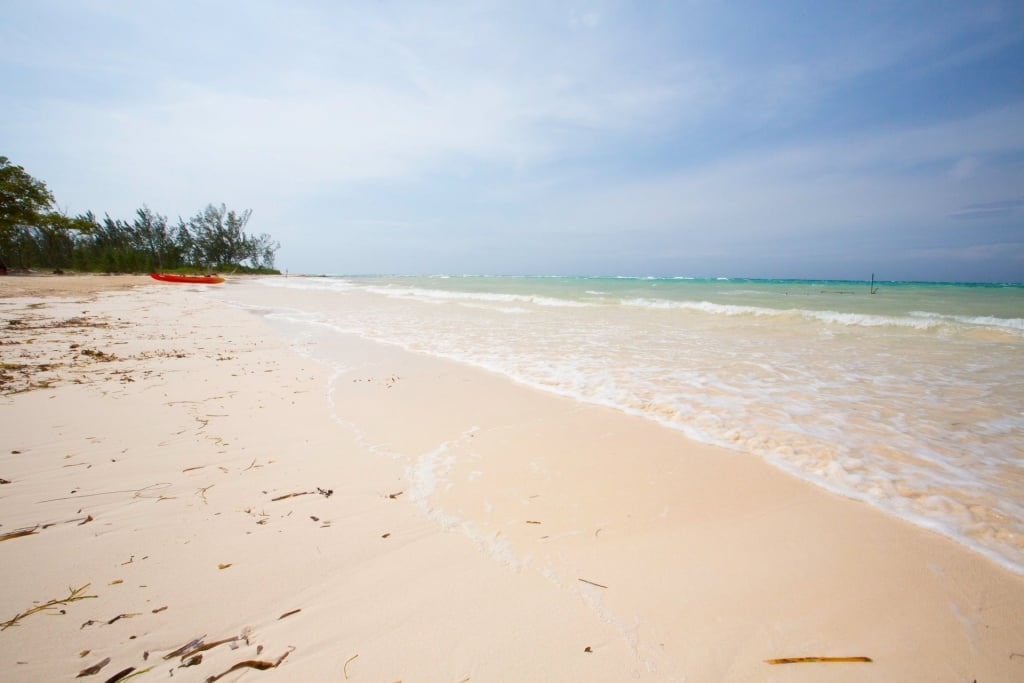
(192, 279)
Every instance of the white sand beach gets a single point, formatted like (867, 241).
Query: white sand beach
(184, 495)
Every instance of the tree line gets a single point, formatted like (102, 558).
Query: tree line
(34, 234)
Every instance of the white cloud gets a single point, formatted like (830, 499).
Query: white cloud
(599, 120)
(964, 168)
(811, 188)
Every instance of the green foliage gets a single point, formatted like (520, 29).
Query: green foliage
(34, 235)
(23, 199)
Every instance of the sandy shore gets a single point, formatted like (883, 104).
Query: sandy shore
(172, 473)
(38, 284)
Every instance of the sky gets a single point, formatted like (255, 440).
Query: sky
(691, 138)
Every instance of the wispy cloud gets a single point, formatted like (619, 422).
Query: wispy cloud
(1001, 209)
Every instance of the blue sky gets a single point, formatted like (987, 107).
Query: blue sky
(767, 139)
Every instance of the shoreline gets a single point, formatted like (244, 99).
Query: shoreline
(663, 558)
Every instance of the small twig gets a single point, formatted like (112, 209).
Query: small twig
(202, 493)
(291, 495)
(123, 616)
(344, 669)
(288, 614)
(592, 583)
(809, 660)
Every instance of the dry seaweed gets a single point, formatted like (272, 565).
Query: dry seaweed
(74, 594)
(809, 660)
(187, 646)
(125, 674)
(288, 614)
(80, 520)
(192, 661)
(18, 534)
(120, 675)
(137, 492)
(94, 669)
(201, 647)
(259, 664)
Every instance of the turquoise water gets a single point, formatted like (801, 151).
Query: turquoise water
(1001, 304)
(910, 398)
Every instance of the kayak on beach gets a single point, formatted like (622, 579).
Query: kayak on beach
(194, 279)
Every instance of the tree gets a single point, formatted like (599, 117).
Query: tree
(33, 233)
(24, 201)
(216, 238)
(262, 250)
(152, 236)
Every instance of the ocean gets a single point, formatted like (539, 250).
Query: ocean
(907, 396)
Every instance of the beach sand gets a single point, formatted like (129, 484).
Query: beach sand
(173, 473)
